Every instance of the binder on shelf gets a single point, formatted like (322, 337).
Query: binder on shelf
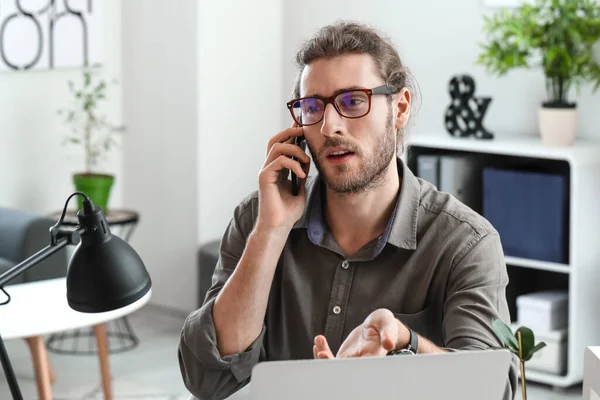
(460, 176)
(528, 210)
(428, 168)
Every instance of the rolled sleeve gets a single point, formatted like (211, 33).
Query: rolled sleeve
(476, 295)
(206, 373)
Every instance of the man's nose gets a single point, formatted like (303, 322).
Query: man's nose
(332, 121)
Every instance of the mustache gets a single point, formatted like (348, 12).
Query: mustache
(338, 142)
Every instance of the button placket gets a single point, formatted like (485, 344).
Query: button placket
(340, 291)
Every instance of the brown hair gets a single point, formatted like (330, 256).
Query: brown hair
(344, 38)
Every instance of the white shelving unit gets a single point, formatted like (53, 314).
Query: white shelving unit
(583, 268)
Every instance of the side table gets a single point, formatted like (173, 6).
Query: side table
(120, 335)
(40, 308)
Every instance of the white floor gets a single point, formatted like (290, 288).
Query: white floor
(149, 371)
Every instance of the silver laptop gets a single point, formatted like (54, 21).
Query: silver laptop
(467, 375)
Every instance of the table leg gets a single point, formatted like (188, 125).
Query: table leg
(103, 356)
(51, 371)
(41, 365)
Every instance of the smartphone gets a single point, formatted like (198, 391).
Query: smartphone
(298, 141)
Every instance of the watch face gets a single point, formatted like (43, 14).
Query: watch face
(405, 351)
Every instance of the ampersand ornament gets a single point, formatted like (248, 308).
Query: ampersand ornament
(465, 113)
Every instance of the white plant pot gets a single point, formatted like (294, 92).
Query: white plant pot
(558, 126)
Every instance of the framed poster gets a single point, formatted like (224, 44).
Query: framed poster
(48, 34)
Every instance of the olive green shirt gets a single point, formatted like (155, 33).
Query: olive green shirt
(439, 267)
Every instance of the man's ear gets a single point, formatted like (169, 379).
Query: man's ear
(403, 100)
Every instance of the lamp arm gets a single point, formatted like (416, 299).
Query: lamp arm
(59, 238)
(64, 238)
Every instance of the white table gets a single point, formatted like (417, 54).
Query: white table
(40, 308)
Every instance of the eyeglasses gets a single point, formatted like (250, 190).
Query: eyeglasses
(353, 103)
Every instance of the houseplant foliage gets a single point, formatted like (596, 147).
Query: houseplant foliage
(557, 35)
(93, 132)
(521, 343)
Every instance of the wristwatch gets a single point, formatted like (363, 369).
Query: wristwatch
(413, 345)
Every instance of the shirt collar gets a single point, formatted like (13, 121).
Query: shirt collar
(401, 229)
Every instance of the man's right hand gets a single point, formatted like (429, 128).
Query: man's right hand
(278, 207)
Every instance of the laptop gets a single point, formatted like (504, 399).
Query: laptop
(466, 375)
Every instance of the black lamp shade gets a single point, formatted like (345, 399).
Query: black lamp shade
(105, 273)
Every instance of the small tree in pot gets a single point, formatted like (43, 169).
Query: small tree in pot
(559, 36)
(94, 133)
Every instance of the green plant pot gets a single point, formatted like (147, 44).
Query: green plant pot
(96, 186)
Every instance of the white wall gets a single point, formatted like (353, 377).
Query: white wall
(202, 85)
(241, 104)
(35, 169)
(160, 106)
(438, 39)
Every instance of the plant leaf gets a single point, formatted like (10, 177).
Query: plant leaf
(532, 351)
(559, 35)
(505, 335)
(527, 339)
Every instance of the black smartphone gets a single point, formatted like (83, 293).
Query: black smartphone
(298, 141)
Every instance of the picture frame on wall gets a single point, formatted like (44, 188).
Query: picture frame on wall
(50, 34)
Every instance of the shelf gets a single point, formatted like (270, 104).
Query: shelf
(535, 264)
(579, 273)
(582, 151)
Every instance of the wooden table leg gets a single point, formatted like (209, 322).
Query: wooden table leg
(103, 356)
(51, 371)
(41, 365)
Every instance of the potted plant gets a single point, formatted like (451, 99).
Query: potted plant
(559, 36)
(521, 343)
(93, 133)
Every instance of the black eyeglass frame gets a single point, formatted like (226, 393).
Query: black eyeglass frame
(383, 89)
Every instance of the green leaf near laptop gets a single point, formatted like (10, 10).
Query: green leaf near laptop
(510, 340)
(521, 343)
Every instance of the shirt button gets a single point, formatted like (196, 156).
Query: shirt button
(337, 309)
(345, 264)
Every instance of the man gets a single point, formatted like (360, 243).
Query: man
(367, 260)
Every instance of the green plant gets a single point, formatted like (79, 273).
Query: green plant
(88, 127)
(521, 343)
(558, 35)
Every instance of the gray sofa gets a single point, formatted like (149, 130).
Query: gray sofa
(22, 234)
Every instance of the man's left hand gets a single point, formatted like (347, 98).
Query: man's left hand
(377, 336)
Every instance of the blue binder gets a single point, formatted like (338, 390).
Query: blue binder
(528, 210)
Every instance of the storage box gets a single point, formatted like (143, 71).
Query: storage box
(529, 210)
(544, 311)
(553, 357)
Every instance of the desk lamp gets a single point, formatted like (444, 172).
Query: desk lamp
(104, 273)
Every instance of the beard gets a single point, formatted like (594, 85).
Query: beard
(345, 179)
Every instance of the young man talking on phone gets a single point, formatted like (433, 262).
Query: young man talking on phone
(367, 260)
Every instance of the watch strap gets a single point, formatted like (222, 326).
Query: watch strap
(413, 345)
(414, 342)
